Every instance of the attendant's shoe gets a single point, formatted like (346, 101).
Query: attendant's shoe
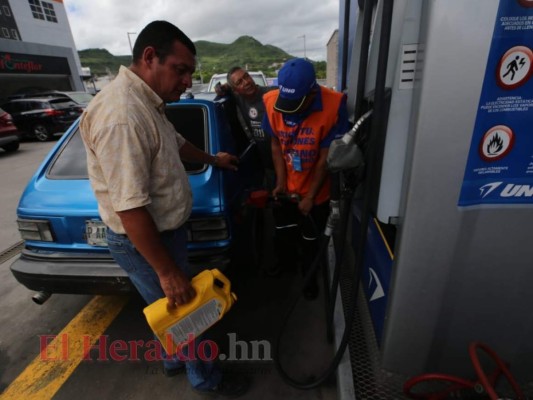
(230, 386)
(273, 270)
(170, 372)
(311, 291)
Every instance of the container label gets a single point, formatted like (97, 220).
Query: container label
(196, 322)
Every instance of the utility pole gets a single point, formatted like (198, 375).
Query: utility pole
(305, 53)
(129, 40)
(200, 71)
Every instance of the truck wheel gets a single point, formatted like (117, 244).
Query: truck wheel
(13, 146)
(41, 132)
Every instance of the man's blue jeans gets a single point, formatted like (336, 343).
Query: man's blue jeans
(202, 374)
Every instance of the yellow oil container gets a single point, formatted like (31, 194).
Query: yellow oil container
(178, 326)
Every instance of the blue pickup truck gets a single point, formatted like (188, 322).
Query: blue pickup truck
(65, 245)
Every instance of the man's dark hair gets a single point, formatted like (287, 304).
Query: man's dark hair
(230, 72)
(160, 35)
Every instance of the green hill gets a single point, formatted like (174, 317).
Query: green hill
(212, 58)
(102, 62)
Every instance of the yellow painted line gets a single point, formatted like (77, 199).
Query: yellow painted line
(391, 254)
(60, 357)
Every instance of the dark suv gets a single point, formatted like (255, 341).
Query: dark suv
(41, 117)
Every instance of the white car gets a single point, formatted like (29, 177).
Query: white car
(81, 98)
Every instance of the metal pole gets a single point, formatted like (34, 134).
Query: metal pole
(345, 45)
(129, 40)
(200, 71)
(305, 53)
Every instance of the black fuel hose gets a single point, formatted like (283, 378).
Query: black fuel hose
(310, 384)
(336, 215)
(375, 140)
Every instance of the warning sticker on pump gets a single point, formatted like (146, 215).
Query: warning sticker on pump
(499, 168)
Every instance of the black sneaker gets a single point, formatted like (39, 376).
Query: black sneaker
(311, 291)
(273, 271)
(229, 386)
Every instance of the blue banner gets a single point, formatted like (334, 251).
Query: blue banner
(499, 170)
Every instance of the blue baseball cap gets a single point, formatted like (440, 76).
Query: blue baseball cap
(295, 79)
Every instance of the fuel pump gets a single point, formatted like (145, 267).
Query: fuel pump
(448, 187)
(446, 190)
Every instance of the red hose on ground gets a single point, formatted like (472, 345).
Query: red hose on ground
(489, 388)
(457, 383)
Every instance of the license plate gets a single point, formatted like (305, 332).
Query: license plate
(95, 233)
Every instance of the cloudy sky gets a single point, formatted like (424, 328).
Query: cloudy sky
(281, 23)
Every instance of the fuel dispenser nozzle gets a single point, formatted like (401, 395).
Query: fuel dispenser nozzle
(343, 153)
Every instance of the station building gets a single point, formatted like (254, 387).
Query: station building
(332, 69)
(37, 49)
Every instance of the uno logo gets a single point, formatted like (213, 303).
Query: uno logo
(286, 89)
(510, 190)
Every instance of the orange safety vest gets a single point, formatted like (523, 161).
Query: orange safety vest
(304, 140)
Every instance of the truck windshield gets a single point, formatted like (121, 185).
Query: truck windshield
(258, 78)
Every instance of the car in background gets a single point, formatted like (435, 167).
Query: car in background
(9, 134)
(65, 249)
(272, 81)
(81, 98)
(43, 117)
